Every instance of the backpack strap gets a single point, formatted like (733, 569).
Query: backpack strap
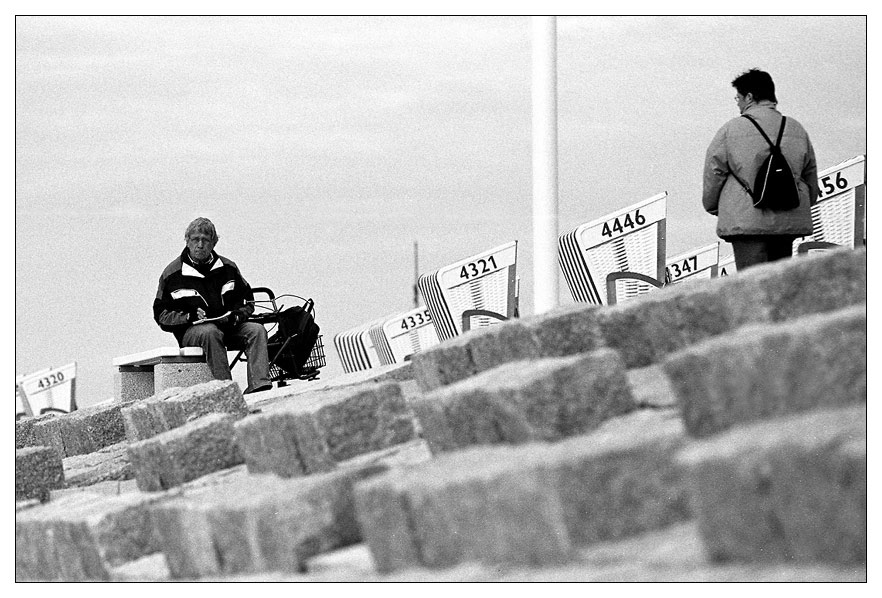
(777, 144)
(774, 146)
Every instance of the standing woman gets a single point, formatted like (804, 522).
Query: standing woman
(731, 164)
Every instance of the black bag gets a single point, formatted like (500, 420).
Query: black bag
(774, 187)
(298, 327)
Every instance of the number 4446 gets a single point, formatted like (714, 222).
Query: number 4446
(619, 226)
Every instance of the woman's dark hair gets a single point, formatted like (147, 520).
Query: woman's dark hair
(757, 82)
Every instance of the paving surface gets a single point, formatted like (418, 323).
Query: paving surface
(707, 432)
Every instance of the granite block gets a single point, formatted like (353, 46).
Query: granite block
(197, 448)
(788, 490)
(38, 469)
(773, 369)
(545, 399)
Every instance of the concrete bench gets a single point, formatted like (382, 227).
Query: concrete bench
(141, 375)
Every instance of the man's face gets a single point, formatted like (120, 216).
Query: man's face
(200, 246)
(742, 101)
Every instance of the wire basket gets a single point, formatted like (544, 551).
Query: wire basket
(317, 356)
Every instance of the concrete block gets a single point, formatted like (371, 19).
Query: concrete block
(773, 369)
(143, 419)
(104, 423)
(65, 551)
(545, 399)
(170, 375)
(38, 469)
(646, 329)
(475, 351)
(109, 463)
(173, 407)
(66, 435)
(258, 523)
(119, 528)
(363, 419)
(809, 284)
(566, 330)
(475, 505)
(24, 431)
(789, 490)
(133, 383)
(185, 453)
(282, 441)
(444, 363)
(622, 479)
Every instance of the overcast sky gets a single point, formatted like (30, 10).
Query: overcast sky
(322, 148)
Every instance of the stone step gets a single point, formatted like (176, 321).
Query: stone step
(106, 464)
(259, 523)
(523, 401)
(38, 469)
(767, 370)
(648, 328)
(527, 505)
(78, 537)
(788, 490)
(79, 432)
(174, 407)
(185, 453)
(312, 431)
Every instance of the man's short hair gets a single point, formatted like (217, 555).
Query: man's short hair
(201, 225)
(756, 82)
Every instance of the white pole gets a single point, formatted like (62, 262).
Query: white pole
(545, 267)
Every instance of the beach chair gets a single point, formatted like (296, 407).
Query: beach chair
(617, 257)
(839, 217)
(476, 292)
(696, 264)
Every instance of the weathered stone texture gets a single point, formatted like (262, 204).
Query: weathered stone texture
(544, 399)
(38, 469)
(792, 489)
(174, 407)
(622, 479)
(313, 431)
(528, 505)
(483, 505)
(365, 420)
(107, 530)
(108, 463)
(646, 329)
(772, 369)
(282, 441)
(185, 453)
(258, 523)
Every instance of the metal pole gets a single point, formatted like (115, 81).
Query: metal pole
(545, 267)
(416, 274)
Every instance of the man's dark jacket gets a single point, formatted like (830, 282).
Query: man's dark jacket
(217, 287)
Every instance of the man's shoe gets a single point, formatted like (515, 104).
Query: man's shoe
(259, 389)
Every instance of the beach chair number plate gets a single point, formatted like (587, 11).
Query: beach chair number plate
(847, 177)
(481, 266)
(616, 225)
(416, 320)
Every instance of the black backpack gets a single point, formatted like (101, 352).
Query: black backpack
(774, 187)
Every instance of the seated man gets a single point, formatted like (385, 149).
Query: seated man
(199, 284)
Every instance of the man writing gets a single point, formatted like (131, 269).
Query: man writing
(201, 285)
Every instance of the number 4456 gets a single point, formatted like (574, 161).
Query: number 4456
(828, 187)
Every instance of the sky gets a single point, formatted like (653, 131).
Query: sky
(323, 148)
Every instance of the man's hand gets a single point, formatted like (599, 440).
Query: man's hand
(200, 314)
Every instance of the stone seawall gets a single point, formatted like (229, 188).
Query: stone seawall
(713, 431)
